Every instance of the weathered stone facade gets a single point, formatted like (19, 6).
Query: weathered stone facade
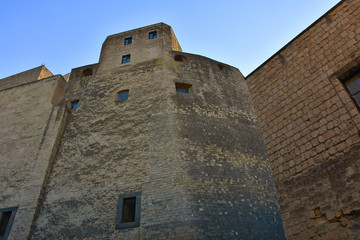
(196, 161)
(311, 126)
(30, 129)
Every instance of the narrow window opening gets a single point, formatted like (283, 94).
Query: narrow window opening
(128, 41)
(125, 58)
(123, 95)
(128, 211)
(74, 104)
(352, 86)
(7, 216)
(221, 67)
(181, 58)
(4, 222)
(152, 34)
(182, 88)
(87, 72)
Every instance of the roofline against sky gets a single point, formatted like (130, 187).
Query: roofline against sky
(297, 36)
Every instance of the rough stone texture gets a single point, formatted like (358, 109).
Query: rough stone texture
(25, 77)
(29, 128)
(113, 48)
(198, 159)
(311, 126)
(230, 184)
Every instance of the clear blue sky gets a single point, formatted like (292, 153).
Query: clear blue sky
(65, 34)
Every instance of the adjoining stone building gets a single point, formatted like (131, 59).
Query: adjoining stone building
(306, 98)
(148, 143)
(152, 142)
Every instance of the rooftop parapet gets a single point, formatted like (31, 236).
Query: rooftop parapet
(25, 77)
(138, 45)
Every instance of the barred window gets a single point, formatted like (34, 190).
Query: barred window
(128, 211)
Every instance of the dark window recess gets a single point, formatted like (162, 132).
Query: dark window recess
(6, 220)
(352, 85)
(125, 58)
(181, 58)
(182, 87)
(152, 34)
(128, 41)
(221, 67)
(74, 104)
(123, 94)
(87, 72)
(128, 210)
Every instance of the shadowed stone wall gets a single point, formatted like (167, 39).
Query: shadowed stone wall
(230, 184)
(311, 126)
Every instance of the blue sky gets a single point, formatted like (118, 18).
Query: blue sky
(64, 34)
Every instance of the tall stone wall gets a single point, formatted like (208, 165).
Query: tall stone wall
(311, 126)
(197, 159)
(30, 125)
(230, 186)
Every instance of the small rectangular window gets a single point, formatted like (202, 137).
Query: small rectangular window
(128, 213)
(128, 210)
(74, 104)
(125, 58)
(6, 220)
(182, 88)
(352, 85)
(128, 41)
(152, 34)
(123, 94)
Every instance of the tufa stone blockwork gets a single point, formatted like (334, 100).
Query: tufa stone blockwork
(311, 126)
(30, 127)
(196, 157)
(195, 180)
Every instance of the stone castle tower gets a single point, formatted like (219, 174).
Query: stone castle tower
(148, 143)
(152, 142)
